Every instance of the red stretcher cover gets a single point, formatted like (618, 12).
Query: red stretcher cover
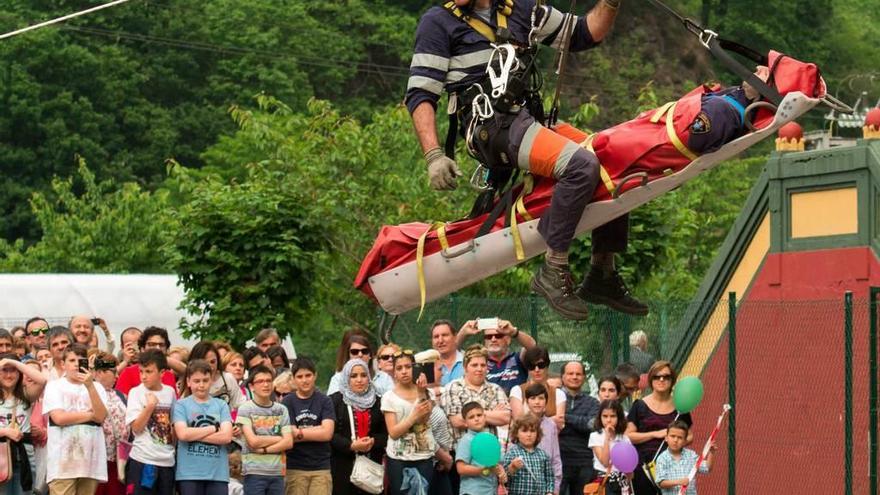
(643, 144)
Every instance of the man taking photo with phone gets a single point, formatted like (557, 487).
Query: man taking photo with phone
(506, 368)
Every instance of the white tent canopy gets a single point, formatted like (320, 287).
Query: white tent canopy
(121, 300)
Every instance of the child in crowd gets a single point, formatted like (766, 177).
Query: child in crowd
(676, 462)
(536, 401)
(475, 480)
(312, 417)
(235, 486)
(150, 467)
(283, 384)
(203, 426)
(265, 425)
(528, 467)
(76, 406)
(612, 424)
(104, 368)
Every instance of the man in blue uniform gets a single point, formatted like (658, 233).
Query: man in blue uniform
(722, 115)
(452, 49)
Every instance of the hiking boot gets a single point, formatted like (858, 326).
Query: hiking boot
(610, 290)
(557, 287)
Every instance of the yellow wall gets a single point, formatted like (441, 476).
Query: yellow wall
(822, 213)
(739, 283)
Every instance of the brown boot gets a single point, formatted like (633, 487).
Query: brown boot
(557, 287)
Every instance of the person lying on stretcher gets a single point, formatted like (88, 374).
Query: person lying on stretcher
(703, 121)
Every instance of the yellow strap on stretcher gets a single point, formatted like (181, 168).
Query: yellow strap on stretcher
(587, 144)
(440, 227)
(520, 207)
(669, 111)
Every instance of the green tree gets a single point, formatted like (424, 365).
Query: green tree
(105, 228)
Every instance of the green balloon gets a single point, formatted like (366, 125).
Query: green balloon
(687, 394)
(485, 450)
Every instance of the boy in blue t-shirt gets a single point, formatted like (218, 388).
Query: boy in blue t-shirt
(203, 426)
(475, 480)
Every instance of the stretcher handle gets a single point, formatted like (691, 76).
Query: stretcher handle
(754, 106)
(456, 251)
(638, 175)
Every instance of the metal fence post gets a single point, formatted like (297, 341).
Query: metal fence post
(731, 393)
(453, 310)
(533, 315)
(848, 393)
(872, 365)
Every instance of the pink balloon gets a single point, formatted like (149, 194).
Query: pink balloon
(624, 457)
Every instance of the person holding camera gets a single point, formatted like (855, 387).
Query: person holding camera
(103, 366)
(77, 460)
(505, 368)
(83, 329)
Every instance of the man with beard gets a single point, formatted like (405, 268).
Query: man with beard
(506, 368)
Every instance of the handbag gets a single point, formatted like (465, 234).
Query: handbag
(7, 462)
(366, 474)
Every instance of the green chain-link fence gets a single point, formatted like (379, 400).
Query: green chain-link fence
(797, 420)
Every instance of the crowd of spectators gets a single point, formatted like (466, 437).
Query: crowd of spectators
(210, 419)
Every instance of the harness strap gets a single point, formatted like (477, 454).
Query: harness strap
(520, 207)
(478, 24)
(668, 110)
(440, 227)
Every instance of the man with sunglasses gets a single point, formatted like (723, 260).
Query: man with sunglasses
(35, 331)
(506, 368)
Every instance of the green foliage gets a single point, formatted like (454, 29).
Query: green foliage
(105, 228)
(245, 254)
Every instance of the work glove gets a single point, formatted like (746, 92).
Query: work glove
(442, 170)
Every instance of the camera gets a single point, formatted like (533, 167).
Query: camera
(96, 321)
(84, 365)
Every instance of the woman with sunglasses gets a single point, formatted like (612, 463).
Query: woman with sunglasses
(407, 411)
(357, 404)
(355, 345)
(383, 380)
(537, 361)
(647, 421)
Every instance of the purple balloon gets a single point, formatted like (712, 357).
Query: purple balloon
(624, 457)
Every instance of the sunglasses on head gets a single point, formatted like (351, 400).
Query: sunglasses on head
(361, 352)
(405, 352)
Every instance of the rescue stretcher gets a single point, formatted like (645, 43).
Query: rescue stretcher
(425, 276)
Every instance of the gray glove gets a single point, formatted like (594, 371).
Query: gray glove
(442, 170)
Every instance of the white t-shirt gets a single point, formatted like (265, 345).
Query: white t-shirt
(597, 439)
(517, 393)
(418, 443)
(226, 389)
(155, 444)
(75, 451)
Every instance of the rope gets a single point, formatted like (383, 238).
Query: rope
(61, 19)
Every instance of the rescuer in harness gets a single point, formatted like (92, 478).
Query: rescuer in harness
(454, 45)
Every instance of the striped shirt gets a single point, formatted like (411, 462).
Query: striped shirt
(451, 55)
(272, 421)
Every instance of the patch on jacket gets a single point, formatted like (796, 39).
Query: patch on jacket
(701, 124)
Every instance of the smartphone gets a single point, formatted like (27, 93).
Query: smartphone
(84, 365)
(96, 321)
(487, 323)
(427, 369)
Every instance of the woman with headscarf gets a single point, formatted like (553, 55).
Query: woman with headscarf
(356, 403)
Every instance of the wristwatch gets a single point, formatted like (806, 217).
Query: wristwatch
(299, 435)
(486, 471)
(515, 333)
